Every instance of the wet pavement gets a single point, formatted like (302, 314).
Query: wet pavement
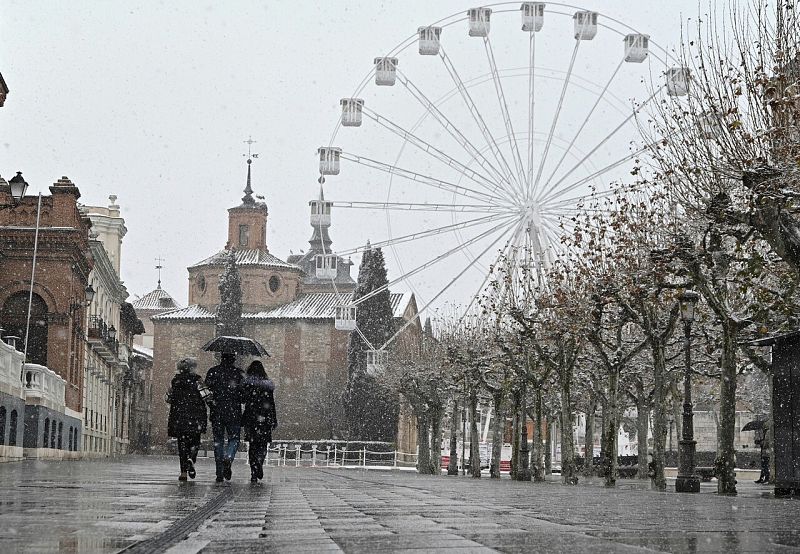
(137, 505)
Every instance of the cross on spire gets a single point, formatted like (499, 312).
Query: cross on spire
(248, 190)
(159, 267)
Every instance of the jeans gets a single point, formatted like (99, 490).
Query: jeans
(256, 454)
(221, 451)
(188, 444)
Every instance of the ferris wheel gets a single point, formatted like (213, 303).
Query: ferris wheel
(480, 136)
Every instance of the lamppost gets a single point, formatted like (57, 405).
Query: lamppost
(687, 480)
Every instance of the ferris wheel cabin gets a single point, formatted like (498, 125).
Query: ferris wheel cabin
(329, 158)
(585, 25)
(345, 318)
(351, 111)
(385, 71)
(325, 266)
(636, 47)
(479, 23)
(429, 40)
(532, 16)
(320, 213)
(377, 360)
(678, 81)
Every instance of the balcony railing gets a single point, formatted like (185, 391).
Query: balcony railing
(10, 366)
(43, 385)
(100, 339)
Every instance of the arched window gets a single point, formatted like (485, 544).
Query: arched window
(14, 317)
(46, 434)
(60, 434)
(12, 429)
(53, 435)
(2, 425)
(69, 436)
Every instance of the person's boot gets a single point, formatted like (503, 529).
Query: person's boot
(190, 470)
(260, 474)
(182, 476)
(226, 469)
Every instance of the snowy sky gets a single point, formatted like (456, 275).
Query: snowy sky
(152, 101)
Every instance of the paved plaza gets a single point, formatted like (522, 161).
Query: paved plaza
(136, 504)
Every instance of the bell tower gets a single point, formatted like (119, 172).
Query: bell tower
(247, 222)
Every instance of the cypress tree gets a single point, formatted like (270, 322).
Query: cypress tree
(229, 311)
(371, 409)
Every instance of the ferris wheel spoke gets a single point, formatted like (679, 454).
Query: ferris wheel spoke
(435, 260)
(475, 153)
(441, 292)
(477, 117)
(510, 243)
(460, 226)
(419, 178)
(599, 145)
(585, 122)
(555, 117)
(589, 178)
(532, 102)
(420, 207)
(501, 98)
(573, 201)
(431, 150)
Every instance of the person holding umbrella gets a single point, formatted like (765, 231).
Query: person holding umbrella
(224, 381)
(259, 418)
(187, 414)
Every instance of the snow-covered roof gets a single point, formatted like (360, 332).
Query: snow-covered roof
(157, 299)
(314, 305)
(251, 257)
(189, 312)
(143, 351)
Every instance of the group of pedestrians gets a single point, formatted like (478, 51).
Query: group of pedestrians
(235, 402)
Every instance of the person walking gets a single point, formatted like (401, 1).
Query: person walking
(187, 414)
(224, 382)
(259, 418)
(765, 455)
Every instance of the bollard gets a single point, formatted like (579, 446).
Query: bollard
(314, 455)
(334, 454)
(364, 464)
(297, 457)
(285, 449)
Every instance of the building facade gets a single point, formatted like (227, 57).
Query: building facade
(111, 327)
(285, 307)
(48, 408)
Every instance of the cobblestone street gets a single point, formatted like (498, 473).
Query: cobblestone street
(136, 504)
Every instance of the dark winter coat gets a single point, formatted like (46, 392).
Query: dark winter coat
(187, 410)
(224, 382)
(259, 417)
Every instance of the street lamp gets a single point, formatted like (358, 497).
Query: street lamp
(18, 187)
(112, 332)
(687, 480)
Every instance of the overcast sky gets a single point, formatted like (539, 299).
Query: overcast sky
(152, 101)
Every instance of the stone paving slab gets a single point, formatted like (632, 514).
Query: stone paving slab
(107, 506)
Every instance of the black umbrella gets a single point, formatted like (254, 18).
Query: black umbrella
(236, 345)
(755, 425)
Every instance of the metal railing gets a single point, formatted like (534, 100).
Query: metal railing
(283, 455)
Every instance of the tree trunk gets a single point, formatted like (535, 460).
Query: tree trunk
(568, 473)
(589, 439)
(515, 444)
(548, 448)
(659, 413)
(642, 430)
(611, 432)
(474, 436)
(497, 435)
(436, 439)
(524, 470)
(726, 454)
(423, 443)
(452, 465)
(537, 462)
